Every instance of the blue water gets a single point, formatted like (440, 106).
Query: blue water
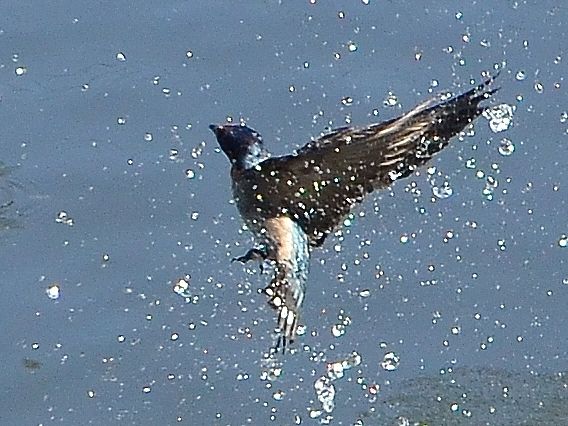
(104, 107)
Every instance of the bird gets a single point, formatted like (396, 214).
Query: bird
(291, 203)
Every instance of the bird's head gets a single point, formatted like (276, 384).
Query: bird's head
(241, 144)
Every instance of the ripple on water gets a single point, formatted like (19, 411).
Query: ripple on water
(14, 200)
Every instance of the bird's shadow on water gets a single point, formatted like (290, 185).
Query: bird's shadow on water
(470, 396)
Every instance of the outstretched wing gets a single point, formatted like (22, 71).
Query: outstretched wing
(320, 183)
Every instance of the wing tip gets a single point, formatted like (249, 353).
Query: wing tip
(484, 90)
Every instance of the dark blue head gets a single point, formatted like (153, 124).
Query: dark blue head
(241, 144)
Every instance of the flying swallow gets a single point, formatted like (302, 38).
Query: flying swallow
(292, 203)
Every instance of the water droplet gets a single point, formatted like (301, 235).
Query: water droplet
(120, 57)
(189, 54)
(21, 71)
(315, 413)
(563, 241)
(351, 46)
(391, 100)
(390, 361)
(338, 330)
(500, 117)
(521, 75)
(325, 391)
(242, 376)
(278, 395)
(53, 291)
(190, 174)
(442, 192)
(335, 370)
(63, 217)
(506, 147)
(148, 137)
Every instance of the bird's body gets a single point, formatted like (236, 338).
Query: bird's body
(292, 203)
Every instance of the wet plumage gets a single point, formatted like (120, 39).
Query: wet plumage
(291, 203)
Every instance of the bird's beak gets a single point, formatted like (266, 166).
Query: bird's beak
(215, 128)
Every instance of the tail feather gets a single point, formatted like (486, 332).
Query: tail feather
(286, 295)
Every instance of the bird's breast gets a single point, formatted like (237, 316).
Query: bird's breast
(284, 237)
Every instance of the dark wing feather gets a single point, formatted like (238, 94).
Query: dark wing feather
(319, 185)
